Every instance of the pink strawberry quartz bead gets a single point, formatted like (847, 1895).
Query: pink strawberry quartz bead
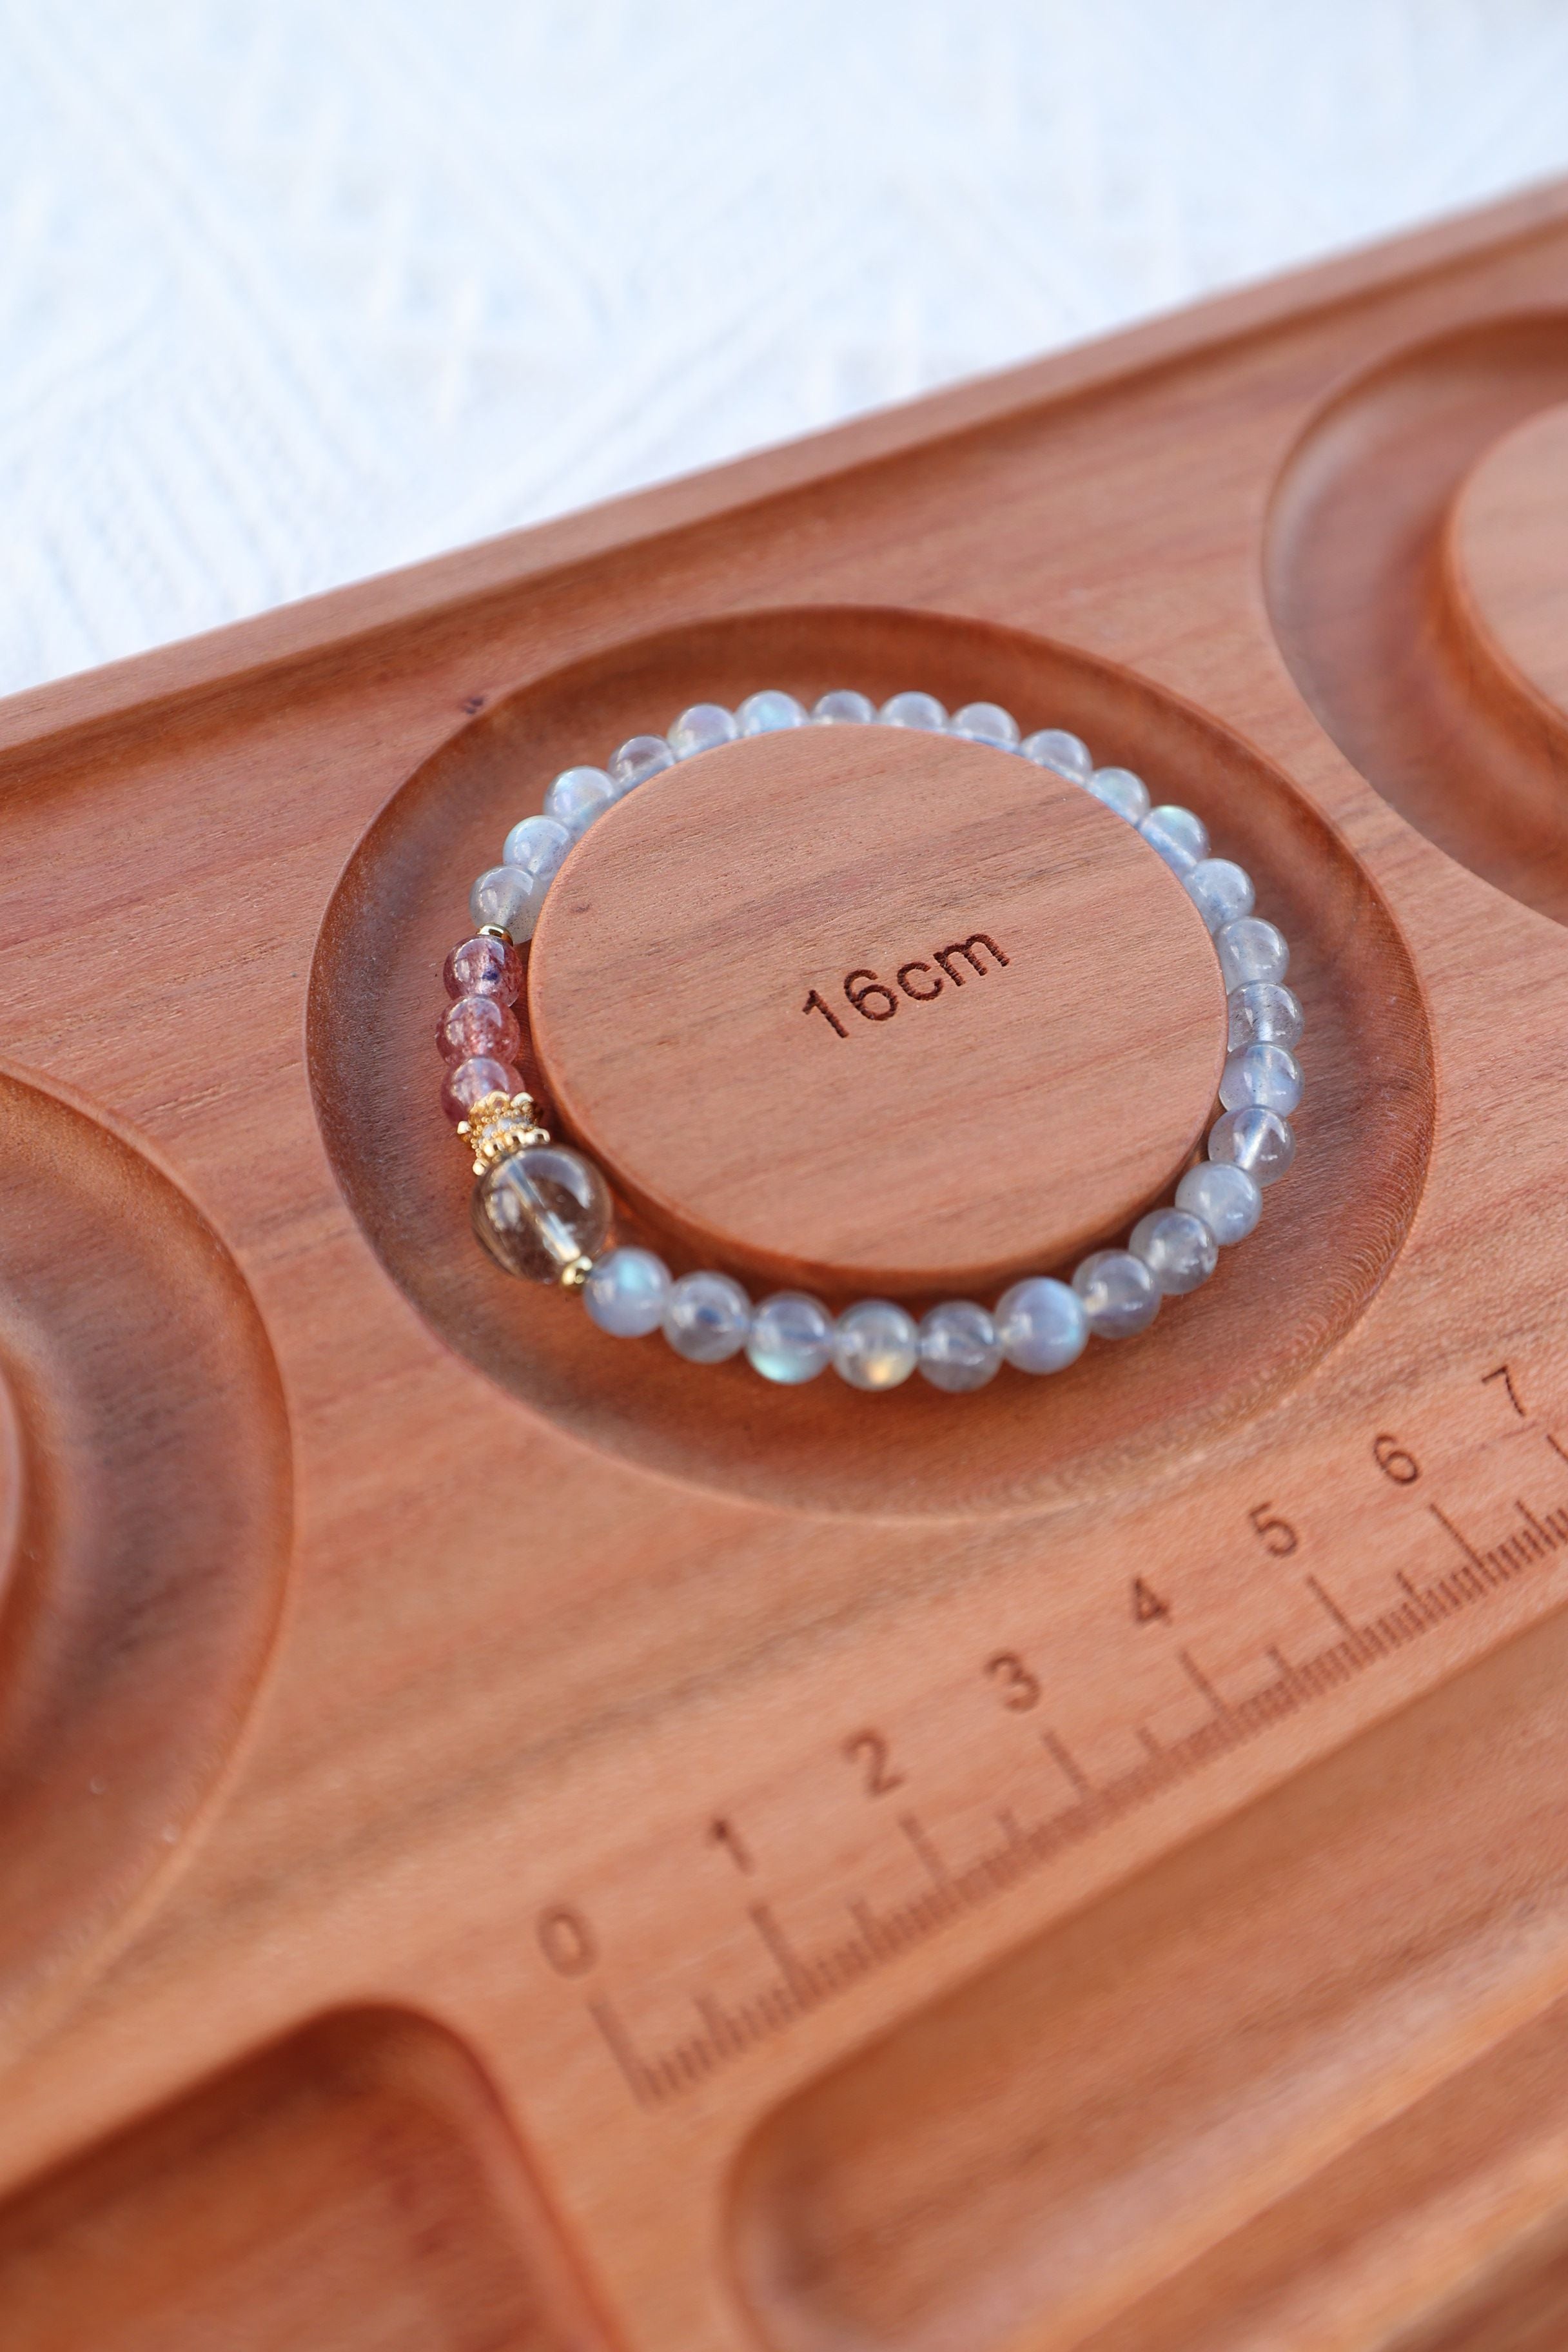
(478, 1025)
(470, 1082)
(484, 967)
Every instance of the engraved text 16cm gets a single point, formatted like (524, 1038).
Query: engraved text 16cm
(874, 999)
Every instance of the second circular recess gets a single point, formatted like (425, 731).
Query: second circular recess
(870, 1007)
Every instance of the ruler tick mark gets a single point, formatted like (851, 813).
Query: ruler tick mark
(1056, 1749)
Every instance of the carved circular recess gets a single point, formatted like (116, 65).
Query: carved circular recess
(144, 1512)
(865, 1008)
(1508, 545)
(1328, 1238)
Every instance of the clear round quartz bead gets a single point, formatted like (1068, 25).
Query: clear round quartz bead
(1250, 950)
(1225, 1196)
(1177, 835)
(875, 1345)
(577, 796)
(844, 707)
(1257, 1139)
(1121, 790)
(540, 1210)
(706, 1318)
(767, 713)
(1263, 1013)
(509, 900)
(1040, 1325)
(1268, 1075)
(1118, 1294)
(627, 1293)
(986, 723)
(1177, 1247)
(1066, 755)
(959, 1349)
(702, 729)
(791, 1338)
(538, 844)
(1220, 890)
(640, 757)
(914, 710)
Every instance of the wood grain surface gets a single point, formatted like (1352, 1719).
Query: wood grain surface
(859, 1006)
(508, 1838)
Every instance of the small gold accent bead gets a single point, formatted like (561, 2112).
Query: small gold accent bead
(575, 1275)
(495, 932)
(499, 1125)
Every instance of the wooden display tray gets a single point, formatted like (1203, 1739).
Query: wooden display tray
(513, 1840)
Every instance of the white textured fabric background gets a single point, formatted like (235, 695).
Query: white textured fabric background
(294, 292)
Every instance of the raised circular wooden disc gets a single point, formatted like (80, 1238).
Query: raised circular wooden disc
(1508, 545)
(1038, 1043)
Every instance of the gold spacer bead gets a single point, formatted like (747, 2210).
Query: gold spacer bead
(495, 931)
(573, 1276)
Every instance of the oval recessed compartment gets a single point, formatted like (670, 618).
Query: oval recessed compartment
(144, 1524)
(1328, 1238)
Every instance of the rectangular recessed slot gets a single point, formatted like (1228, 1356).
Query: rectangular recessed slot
(356, 2186)
(1081, 2147)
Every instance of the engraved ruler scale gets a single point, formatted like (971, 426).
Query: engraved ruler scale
(512, 1838)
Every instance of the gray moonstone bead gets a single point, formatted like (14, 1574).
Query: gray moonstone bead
(1064, 754)
(1225, 1196)
(959, 1349)
(577, 797)
(627, 1292)
(986, 723)
(1118, 1294)
(1269, 1074)
(640, 757)
(791, 1338)
(914, 710)
(844, 707)
(1257, 1139)
(539, 1210)
(1041, 1325)
(767, 713)
(1250, 950)
(702, 729)
(1262, 1013)
(538, 844)
(1177, 835)
(707, 1317)
(1177, 1247)
(1121, 790)
(509, 899)
(1220, 890)
(875, 1345)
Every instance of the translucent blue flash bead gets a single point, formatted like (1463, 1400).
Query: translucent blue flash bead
(1176, 836)
(959, 1347)
(636, 760)
(577, 796)
(914, 710)
(706, 1318)
(1118, 1294)
(1064, 754)
(1263, 1013)
(986, 723)
(1041, 1325)
(765, 713)
(627, 1292)
(1250, 950)
(1258, 1141)
(1220, 890)
(1177, 1247)
(791, 1338)
(1121, 790)
(1223, 1196)
(538, 844)
(876, 1345)
(702, 729)
(844, 708)
(509, 899)
(1262, 1074)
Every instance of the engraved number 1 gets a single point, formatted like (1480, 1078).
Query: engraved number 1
(813, 1004)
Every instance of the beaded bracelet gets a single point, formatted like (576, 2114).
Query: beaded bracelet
(545, 1212)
